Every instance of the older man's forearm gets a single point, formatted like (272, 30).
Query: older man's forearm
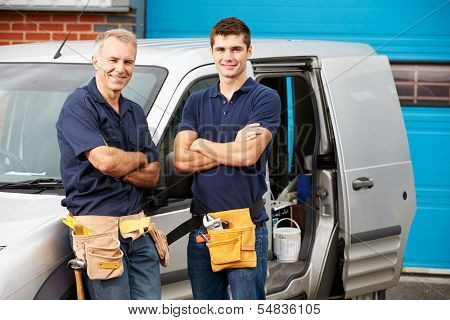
(115, 162)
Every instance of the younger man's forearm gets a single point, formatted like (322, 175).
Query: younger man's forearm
(196, 162)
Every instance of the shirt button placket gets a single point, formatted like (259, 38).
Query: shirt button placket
(224, 102)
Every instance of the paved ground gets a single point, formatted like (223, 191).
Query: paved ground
(420, 287)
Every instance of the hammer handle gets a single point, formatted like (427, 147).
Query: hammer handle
(79, 284)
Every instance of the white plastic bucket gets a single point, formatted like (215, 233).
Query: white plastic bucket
(286, 242)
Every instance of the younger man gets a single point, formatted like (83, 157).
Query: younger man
(225, 138)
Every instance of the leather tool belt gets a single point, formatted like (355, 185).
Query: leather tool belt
(233, 247)
(196, 220)
(99, 246)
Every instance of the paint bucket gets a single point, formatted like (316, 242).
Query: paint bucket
(286, 242)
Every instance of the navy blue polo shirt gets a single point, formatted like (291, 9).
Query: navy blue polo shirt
(214, 118)
(87, 121)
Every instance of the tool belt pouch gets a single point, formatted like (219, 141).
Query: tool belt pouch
(136, 225)
(233, 247)
(161, 244)
(100, 249)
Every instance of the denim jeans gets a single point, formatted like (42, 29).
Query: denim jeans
(245, 283)
(140, 279)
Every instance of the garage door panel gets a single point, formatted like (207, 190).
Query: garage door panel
(428, 132)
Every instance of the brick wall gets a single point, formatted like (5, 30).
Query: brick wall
(36, 26)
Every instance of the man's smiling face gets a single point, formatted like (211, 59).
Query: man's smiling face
(230, 55)
(115, 64)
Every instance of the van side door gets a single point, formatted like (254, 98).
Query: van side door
(174, 198)
(376, 191)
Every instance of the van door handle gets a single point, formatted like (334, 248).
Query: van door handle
(362, 183)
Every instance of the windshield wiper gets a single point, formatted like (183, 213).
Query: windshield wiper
(43, 183)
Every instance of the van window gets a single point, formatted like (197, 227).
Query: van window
(31, 97)
(422, 84)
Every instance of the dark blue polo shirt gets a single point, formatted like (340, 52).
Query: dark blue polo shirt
(87, 121)
(214, 118)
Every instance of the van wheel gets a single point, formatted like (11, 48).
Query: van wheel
(377, 295)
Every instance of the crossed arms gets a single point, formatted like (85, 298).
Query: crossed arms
(132, 166)
(193, 154)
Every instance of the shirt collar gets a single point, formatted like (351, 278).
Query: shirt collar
(215, 90)
(246, 87)
(97, 96)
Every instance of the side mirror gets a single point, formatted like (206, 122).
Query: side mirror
(178, 185)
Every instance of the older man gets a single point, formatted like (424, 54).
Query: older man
(107, 158)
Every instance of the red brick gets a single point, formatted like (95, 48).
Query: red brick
(24, 26)
(88, 36)
(92, 17)
(79, 27)
(4, 43)
(11, 36)
(5, 26)
(38, 17)
(65, 17)
(51, 26)
(18, 42)
(7, 16)
(62, 36)
(37, 36)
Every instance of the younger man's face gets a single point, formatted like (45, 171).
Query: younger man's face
(230, 55)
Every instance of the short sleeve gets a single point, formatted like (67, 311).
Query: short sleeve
(79, 127)
(266, 111)
(148, 147)
(189, 119)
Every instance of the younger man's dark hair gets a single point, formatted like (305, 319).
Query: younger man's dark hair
(230, 26)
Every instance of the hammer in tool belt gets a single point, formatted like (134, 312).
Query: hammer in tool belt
(77, 266)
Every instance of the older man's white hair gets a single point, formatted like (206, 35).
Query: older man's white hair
(121, 34)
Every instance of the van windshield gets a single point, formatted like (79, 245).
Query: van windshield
(31, 97)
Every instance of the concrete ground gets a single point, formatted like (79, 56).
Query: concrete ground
(420, 287)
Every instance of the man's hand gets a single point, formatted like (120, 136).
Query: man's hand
(195, 146)
(249, 132)
(144, 177)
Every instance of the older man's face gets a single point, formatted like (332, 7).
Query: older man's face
(115, 64)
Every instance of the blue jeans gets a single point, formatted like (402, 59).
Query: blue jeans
(140, 279)
(245, 283)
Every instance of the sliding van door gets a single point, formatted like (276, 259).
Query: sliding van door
(375, 181)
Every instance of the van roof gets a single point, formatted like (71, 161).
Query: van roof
(190, 52)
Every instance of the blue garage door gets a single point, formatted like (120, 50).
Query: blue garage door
(405, 30)
(429, 141)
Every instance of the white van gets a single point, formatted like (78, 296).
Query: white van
(341, 124)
